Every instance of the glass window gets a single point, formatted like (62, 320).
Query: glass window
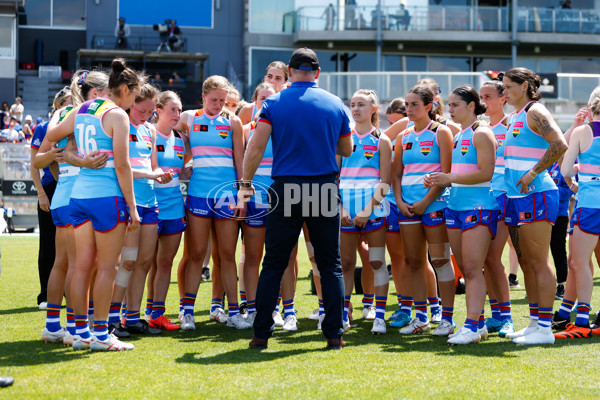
(529, 63)
(392, 62)
(495, 64)
(580, 65)
(450, 64)
(68, 13)
(271, 16)
(7, 27)
(548, 66)
(38, 12)
(414, 63)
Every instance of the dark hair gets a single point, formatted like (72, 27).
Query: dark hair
(426, 95)
(121, 74)
(438, 106)
(397, 106)
(520, 75)
(468, 94)
(496, 83)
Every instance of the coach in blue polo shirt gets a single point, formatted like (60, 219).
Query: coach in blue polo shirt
(308, 126)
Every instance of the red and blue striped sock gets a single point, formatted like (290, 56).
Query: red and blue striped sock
(406, 305)
(367, 300)
(380, 302)
(434, 304)
(189, 300)
(70, 321)
(399, 298)
(278, 302)
(216, 303)
(321, 307)
(243, 297)
(181, 304)
(471, 324)
(158, 309)
(133, 317)
(288, 308)
(113, 313)
(101, 330)
(495, 309)
(421, 308)
(91, 308)
(149, 306)
(346, 307)
(448, 314)
(251, 306)
(505, 313)
(545, 317)
(583, 314)
(81, 326)
(53, 317)
(565, 308)
(233, 309)
(533, 311)
(124, 311)
(481, 323)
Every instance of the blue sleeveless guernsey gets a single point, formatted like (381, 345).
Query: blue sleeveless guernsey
(170, 152)
(589, 172)
(523, 150)
(90, 136)
(421, 156)
(360, 176)
(140, 150)
(67, 173)
(212, 149)
(390, 194)
(464, 159)
(498, 183)
(262, 178)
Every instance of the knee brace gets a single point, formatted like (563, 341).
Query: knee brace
(440, 259)
(128, 254)
(122, 277)
(380, 275)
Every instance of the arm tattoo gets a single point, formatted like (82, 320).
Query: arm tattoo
(514, 236)
(544, 126)
(552, 154)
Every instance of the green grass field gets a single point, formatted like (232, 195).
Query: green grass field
(214, 361)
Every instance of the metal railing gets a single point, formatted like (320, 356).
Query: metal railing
(445, 18)
(389, 85)
(146, 43)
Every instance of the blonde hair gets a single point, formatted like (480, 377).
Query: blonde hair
(83, 81)
(147, 92)
(215, 82)
(595, 106)
(263, 86)
(372, 97)
(59, 98)
(595, 94)
(166, 97)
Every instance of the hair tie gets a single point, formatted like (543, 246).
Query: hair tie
(81, 79)
(439, 89)
(435, 103)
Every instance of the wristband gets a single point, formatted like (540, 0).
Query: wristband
(42, 195)
(570, 186)
(246, 184)
(533, 174)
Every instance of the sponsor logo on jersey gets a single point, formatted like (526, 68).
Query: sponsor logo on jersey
(369, 147)
(519, 124)
(425, 150)
(464, 150)
(525, 215)
(160, 147)
(223, 127)
(224, 135)
(407, 146)
(133, 138)
(178, 148)
(465, 142)
(426, 143)
(471, 218)
(369, 155)
(200, 128)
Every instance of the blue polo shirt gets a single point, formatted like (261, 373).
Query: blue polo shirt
(36, 142)
(307, 123)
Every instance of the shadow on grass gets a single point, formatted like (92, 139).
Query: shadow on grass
(243, 356)
(21, 310)
(34, 352)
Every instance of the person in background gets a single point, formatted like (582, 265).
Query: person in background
(4, 115)
(27, 132)
(17, 109)
(122, 32)
(11, 134)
